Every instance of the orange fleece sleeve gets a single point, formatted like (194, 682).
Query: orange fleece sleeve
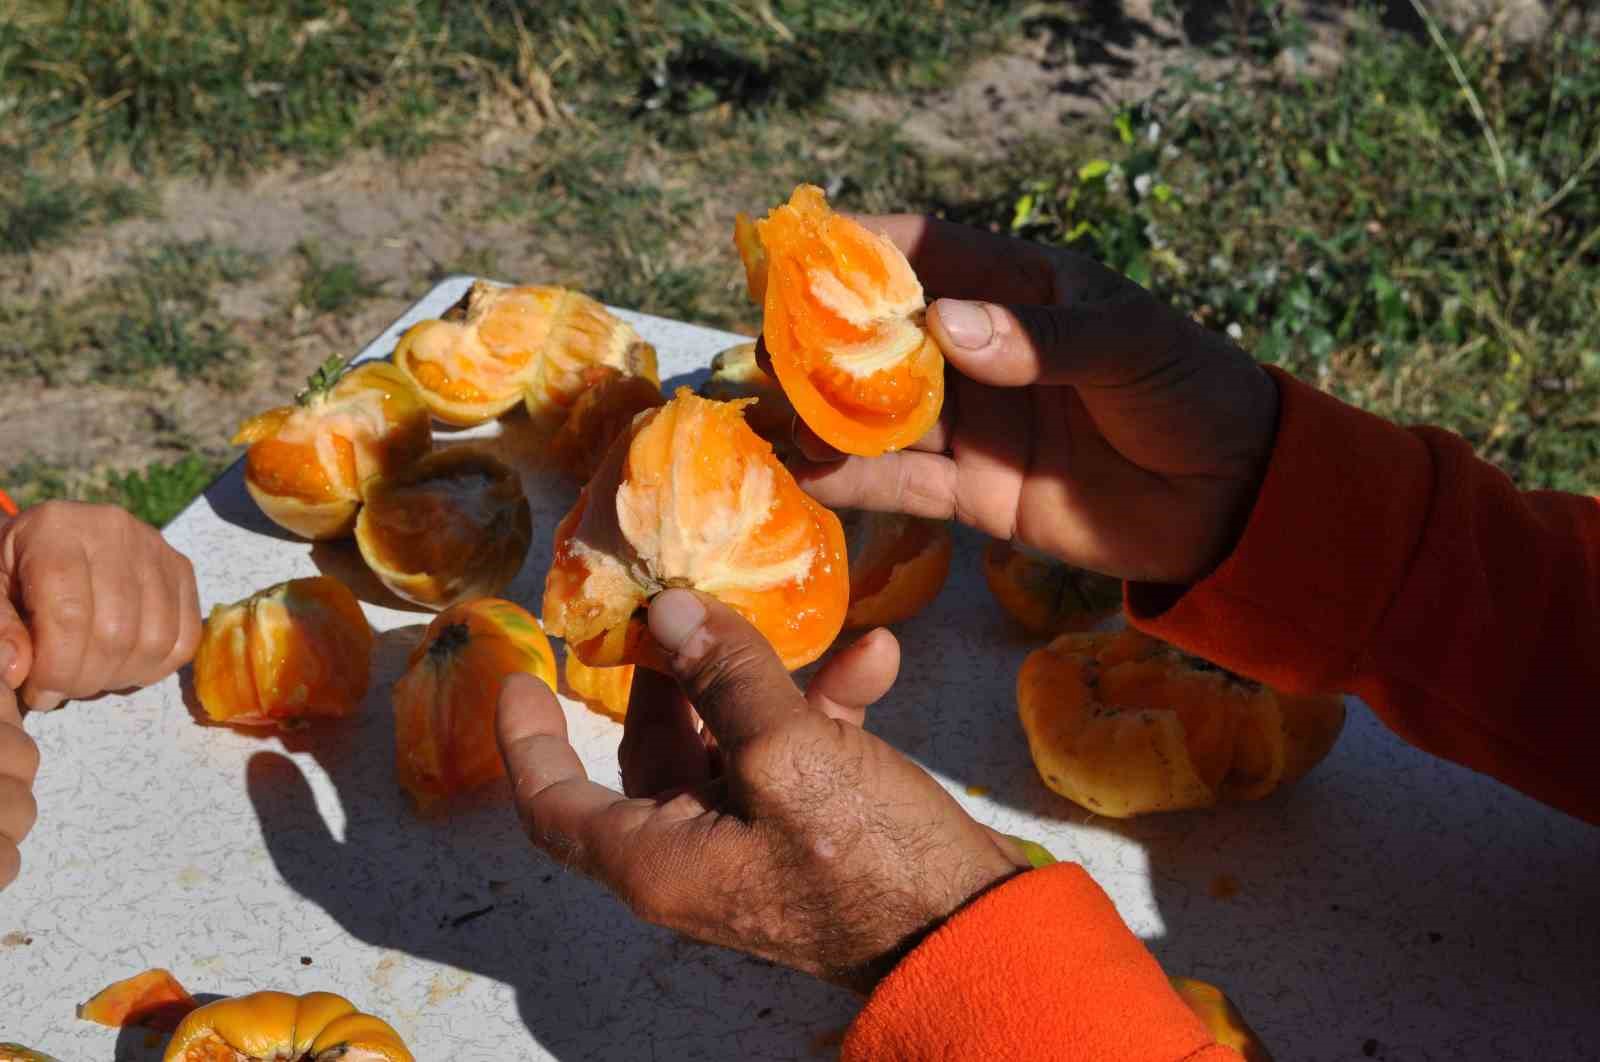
(1039, 968)
(7, 506)
(1396, 565)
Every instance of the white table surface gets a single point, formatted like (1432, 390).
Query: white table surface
(1390, 906)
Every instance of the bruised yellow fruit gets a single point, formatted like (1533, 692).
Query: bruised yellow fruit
(1124, 724)
(291, 652)
(308, 463)
(1044, 595)
(452, 527)
(601, 414)
(279, 1027)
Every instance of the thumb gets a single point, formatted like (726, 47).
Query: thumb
(729, 671)
(16, 645)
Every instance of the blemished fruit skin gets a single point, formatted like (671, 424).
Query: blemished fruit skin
(278, 1026)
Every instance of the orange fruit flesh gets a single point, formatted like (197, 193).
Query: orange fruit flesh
(601, 414)
(603, 689)
(153, 998)
(694, 498)
(898, 565)
(842, 319)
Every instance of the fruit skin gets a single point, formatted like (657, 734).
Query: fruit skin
(309, 463)
(153, 998)
(842, 318)
(898, 565)
(17, 1053)
(1222, 1019)
(691, 497)
(602, 689)
(601, 414)
(452, 527)
(315, 1027)
(499, 346)
(1046, 596)
(1123, 724)
(444, 704)
(293, 651)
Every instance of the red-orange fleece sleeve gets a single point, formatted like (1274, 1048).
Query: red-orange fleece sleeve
(1039, 968)
(1394, 564)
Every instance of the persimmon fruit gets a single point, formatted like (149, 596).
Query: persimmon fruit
(153, 999)
(898, 565)
(287, 654)
(843, 321)
(602, 689)
(691, 497)
(607, 406)
(1044, 595)
(308, 463)
(277, 1027)
(444, 704)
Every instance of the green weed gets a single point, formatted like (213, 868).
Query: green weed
(37, 209)
(155, 494)
(328, 287)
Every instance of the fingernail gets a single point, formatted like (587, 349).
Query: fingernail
(675, 616)
(966, 323)
(45, 701)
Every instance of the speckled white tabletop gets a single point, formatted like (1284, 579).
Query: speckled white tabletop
(1388, 907)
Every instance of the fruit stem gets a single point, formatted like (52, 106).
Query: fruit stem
(321, 381)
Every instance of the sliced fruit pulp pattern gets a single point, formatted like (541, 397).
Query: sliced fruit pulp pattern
(898, 565)
(842, 319)
(694, 498)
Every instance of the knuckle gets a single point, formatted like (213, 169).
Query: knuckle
(19, 753)
(115, 631)
(18, 810)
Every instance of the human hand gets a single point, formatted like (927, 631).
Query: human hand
(1084, 417)
(783, 829)
(91, 599)
(19, 762)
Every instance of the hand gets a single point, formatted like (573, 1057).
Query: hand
(91, 599)
(19, 762)
(1084, 417)
(783, 829)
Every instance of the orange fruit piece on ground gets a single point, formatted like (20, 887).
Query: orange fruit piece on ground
(308, 463)
(603, 411)
(270, 1026)
(602, 689)
(444, 704)
(293, 651)
(1123, 724)
(898, 565)
(1045, 595)
(499, 346)
(735, 374)
(691, 497)
(1222, 1019)
(153, 999)
(842, 317)
(452, 527)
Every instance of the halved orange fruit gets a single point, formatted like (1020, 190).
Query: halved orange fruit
(842, 316)
(1123, 724)
(308, 463)
(444, 705)
(602, 689)
(735, 373)
(691, 497)
(453, 526)
(274, 1026)
(603, 411)
(153, 999)
(898, 565)
(500, 346)
(291, 652)
(1045, 595)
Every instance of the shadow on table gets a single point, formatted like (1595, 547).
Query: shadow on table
(468, 891)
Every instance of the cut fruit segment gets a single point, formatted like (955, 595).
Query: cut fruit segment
(600, 415)
(452, 527)
(842, 316)
(500, 346)
(1046, 596)
(153, 999)
(445, 702)
(1124, 724)
(274, 1026)
(1221, 1018)
(735, 374)
(602, 689)
(291, 652)
(691, 497)
(898, 565)
(308, 463)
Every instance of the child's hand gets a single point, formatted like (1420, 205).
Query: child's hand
(19, 761)
(91, 599)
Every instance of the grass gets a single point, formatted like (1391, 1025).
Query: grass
(155, 494)
(38, 208)
(158, 311)
(330, 286)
